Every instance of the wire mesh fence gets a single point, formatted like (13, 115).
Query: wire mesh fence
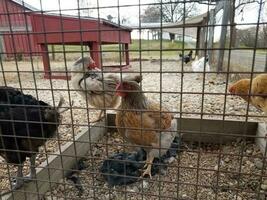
(152, 99)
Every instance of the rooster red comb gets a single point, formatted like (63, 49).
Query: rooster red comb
(91, 64)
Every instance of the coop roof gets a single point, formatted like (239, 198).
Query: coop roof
(177, 28)
(101, 20)
(91, 29)
(193, 21)
(25, 5)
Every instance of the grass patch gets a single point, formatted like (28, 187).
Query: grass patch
(138, 48)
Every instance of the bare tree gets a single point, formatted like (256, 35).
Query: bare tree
(169, 11)
(177, 11)
(247, 37)
(124, 20)
(151, 14)
(85, 5)
(242, 3)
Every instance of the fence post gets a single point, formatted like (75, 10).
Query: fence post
(225, 19)
(1, 47)
(53, 52)
(211, 33)
(265, 69)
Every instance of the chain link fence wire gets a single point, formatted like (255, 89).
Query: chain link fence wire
(133, 99)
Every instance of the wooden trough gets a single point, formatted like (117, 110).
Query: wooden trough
(213, 131)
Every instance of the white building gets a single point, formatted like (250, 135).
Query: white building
(151, 31)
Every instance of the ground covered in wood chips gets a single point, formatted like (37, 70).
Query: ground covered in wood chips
(198, 172)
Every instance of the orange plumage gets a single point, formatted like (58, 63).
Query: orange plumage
(258, 91)
(141, 122)
(241, 88)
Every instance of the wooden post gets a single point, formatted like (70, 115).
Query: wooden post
(233, 31)
(46, 62)
(265, 69)
(123, 52)
(202, 42)
(95, 53)
(225, 19)
(233, 24)
(211, 34)
(198, 41)
(127, 59)
(53, 52)
(265, 40)
(1, 47)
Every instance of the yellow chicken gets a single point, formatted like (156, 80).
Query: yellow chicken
(259, 91)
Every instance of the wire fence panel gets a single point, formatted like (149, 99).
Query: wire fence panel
(153, 99)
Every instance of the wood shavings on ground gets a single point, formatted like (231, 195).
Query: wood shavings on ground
(214, 105)
(198, 172)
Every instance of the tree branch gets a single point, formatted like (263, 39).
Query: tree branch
(248, 2)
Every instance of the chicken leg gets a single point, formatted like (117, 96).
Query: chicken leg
(148, 165)
(100, 117)
(32, 168)
(19, 179)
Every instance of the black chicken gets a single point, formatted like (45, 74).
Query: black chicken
(25, 125)
(186, 58)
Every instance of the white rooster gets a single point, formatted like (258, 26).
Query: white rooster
(98, 88)
(199, 64)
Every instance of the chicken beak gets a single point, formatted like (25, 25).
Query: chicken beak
(231, 90)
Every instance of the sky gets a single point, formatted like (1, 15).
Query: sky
(131, 12)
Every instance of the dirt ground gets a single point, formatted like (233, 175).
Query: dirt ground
(203, 172)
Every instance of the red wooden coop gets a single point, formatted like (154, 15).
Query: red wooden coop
(69, 30)
(16, 29)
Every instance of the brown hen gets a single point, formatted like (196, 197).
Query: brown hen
(142, 122)
(258, 93)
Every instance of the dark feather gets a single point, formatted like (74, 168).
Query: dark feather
(25, 124)
(186, 58)
(125, 168)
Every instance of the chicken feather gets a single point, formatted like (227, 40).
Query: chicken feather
(143, 122)
(97, 88)
(31, 121)
(258, 91)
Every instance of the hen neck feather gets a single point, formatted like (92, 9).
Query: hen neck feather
(77, 72)
(135, 100)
